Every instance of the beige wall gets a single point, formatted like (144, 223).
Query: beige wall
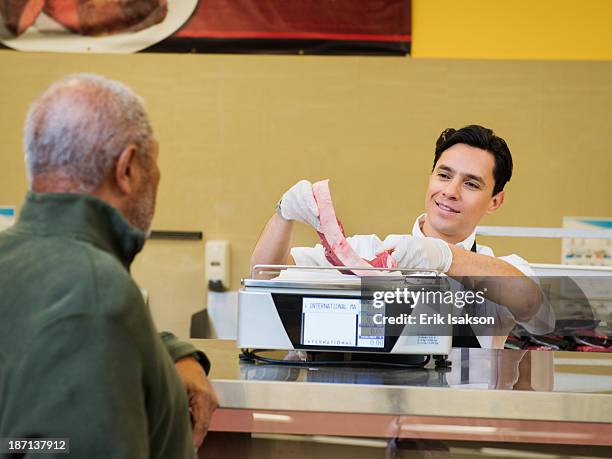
(236, 131)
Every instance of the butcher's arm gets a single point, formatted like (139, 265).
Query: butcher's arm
(505, 284)
(274, 244)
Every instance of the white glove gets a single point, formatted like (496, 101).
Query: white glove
(298, 203)
(419, 252)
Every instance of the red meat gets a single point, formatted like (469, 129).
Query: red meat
(105, 17)
(18, 15)
(337, 250)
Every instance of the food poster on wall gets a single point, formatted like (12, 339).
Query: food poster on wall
(587, 251)
(128, 26)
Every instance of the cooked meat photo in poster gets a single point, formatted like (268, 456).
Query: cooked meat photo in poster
(122, 26)
(242, 26)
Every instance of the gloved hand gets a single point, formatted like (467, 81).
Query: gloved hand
(298, 203)
(419, 252)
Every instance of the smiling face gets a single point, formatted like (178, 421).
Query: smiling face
(460, 193)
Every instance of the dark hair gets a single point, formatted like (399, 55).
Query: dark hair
(485, 139)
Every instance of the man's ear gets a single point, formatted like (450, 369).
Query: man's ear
(124, 170)
(496, 201)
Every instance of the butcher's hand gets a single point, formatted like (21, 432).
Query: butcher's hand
(419, 252)
(201, 395)
(298, 203)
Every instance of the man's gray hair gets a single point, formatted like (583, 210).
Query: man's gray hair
(78, 127)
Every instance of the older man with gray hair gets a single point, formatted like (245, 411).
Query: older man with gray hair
(79, 355)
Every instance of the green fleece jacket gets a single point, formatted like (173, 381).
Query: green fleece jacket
(79, 355)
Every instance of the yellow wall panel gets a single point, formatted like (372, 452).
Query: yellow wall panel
(236, 131)
(512, 29)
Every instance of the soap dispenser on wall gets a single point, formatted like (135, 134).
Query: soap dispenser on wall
(217, 265)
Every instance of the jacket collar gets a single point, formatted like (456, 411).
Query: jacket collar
(82, 217)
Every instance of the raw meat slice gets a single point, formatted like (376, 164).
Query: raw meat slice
(105, 17)
(65, 12)
(18, 15)
(384, 260)
(337, 249)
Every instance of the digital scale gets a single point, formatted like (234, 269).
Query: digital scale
(318, 309)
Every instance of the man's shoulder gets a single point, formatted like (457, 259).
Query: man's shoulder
(515, 260)
(111, 292)
(115, 289)
(519, 263)
(484, 250)
(68, 268)
(105, 271)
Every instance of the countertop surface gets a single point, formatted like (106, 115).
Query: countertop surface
(495, 384)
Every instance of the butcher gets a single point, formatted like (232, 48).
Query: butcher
(471, 166)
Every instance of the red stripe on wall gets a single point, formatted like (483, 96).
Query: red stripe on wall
(301, 36)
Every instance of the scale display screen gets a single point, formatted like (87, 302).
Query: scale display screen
(339, 322)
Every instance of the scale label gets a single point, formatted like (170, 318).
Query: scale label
(337, 322)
